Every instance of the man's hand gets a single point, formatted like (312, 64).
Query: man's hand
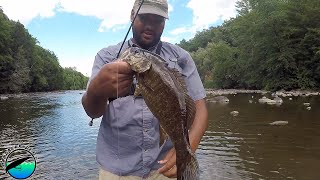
(169, 168)
(114, 79)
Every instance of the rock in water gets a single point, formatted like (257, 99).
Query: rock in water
(165, 93)
(234, 113)
(219, 99)
(279, 123)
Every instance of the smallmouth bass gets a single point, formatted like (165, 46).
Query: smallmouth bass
(165, 93)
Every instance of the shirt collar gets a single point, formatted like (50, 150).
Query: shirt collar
(132, 44)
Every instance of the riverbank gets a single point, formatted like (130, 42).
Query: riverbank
(219, 92)
(22, 95)
(209, 92)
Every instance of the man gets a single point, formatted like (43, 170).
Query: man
(128, 139)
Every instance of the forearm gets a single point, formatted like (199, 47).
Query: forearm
(199, 125)
(93, 104)
(94, 107)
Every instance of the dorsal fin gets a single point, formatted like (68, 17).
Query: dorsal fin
(190, 106)
(179, 79)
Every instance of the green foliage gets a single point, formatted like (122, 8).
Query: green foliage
(271, 45)
(74, 79)
(25, 66)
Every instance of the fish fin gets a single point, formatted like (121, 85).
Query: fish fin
(191, 171)
(190, 106)
(191, 110)
(179, 79)
(163, 135)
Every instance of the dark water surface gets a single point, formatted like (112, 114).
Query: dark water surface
(55, 127)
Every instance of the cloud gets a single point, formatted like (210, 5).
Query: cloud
(178, 31)
(113, 14)
(83, 64)
(26, 10)
(206, 12)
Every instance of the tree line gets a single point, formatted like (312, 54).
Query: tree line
(27, 67)
(271, 45)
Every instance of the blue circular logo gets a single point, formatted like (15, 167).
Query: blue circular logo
(20, 163)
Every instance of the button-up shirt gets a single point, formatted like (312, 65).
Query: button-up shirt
(128, 138)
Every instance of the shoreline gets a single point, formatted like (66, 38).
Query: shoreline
(19, 95)
(219, 92)
(209, 93)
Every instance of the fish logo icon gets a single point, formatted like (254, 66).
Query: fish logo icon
(19, 163)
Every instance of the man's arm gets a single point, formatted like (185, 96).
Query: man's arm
(114, 79)
(199, 125)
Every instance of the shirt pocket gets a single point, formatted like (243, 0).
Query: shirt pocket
(173, 63)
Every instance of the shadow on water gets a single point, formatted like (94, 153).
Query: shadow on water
(55, 127)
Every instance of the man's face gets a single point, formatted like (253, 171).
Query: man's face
(147, 29)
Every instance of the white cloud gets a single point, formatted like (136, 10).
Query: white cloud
(206, 12)
(26, 10)
(167, 39)
(83, 64)
(179, 30)
(113, 15)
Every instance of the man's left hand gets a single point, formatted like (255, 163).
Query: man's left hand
(169, 167)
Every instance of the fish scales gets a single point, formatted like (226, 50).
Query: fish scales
(165, 93)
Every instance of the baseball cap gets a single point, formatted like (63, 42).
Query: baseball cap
(158, 7)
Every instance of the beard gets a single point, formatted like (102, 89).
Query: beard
(144, 42)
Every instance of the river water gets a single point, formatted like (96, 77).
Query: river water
(55, 128)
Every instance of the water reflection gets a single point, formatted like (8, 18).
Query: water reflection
(55, 126)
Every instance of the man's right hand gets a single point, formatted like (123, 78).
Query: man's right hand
(114, 79)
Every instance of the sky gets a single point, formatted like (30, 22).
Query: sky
(75, 30)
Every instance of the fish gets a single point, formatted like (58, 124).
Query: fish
(165, 93)
(16, 163)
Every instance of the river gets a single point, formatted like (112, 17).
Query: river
(55, 128)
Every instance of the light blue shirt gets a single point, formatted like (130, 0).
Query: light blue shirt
(128, 139)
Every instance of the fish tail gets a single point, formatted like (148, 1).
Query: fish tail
(191, 171)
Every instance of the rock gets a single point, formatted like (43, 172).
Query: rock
(219, 99)
(271, 102)
(250, 101)
(290, 99)
(264, 100)
(306, 104)
(234, 113)
(3, 98)
(308, 108)
(276, 100)
(279, 123)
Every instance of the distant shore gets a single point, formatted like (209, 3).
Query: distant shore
(20, 95)
(209, 92)
(219, 92)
